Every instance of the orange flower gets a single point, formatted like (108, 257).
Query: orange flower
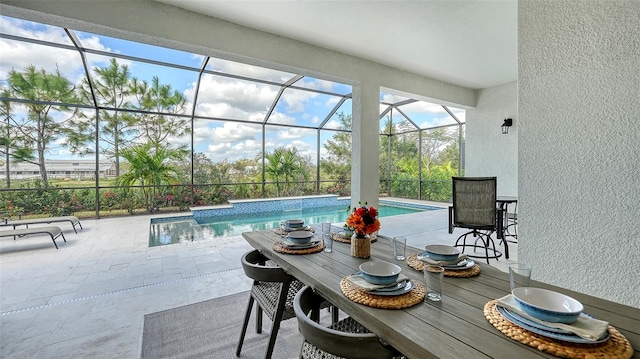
(364, 220)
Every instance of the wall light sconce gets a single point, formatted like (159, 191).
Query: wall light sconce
(505, 126)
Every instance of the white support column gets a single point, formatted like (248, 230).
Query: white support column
(365, 157)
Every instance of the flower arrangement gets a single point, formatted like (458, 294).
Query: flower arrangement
(363, 220)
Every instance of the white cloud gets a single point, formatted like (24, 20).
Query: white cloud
(317, 84)
(304, 149)
(391, 98)
(17, 55)
(295, 133)
(230, 98)
(316, 120)
(295, 100)
(332, 101)
(231, 141)
(422, 107)
(281, 118)
(236, 68)
(333, 123)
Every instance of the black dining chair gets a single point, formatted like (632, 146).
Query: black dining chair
(273, 292)
(474, 208)
(345, 339)
(511, 222)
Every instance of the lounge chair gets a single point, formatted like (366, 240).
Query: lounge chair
(53, 231)
(48, 220)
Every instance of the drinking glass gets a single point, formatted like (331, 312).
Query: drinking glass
(519, 275)
(326, 237)
(399, 247)
(433, 276)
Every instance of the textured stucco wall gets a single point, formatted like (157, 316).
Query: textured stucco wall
(488, 152)
(579, 145)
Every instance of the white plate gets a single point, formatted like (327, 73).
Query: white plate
(300, 234)
(469, 264)
(292, 245)
(408, 286)
(295, 223)
(462, 265)
(289, 229)
(572, 338)
(507, 313)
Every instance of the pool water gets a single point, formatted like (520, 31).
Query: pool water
(187, 229)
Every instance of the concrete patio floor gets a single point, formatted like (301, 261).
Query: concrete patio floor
(88, 298)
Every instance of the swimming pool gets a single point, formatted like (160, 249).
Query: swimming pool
(188, 229)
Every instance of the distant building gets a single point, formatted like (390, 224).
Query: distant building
(61, 169)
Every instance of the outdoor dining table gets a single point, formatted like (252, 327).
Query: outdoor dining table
(452, 328)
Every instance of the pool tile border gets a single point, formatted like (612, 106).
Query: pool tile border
(243, 207)
(275, 205)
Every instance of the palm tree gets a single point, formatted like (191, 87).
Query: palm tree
(285, 165)
(150, 166)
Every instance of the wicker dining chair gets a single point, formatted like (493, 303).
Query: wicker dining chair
(345, 339)
(474, 208)
(273, 291)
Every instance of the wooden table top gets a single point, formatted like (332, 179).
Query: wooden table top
(453, 328)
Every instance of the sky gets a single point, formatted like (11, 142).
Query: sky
(218, 97)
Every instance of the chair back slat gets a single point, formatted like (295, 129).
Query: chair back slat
(474, 201)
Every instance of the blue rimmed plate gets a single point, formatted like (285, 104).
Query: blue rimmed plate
(300, 235)
(292, 245)
(462, 265)
(571, 338)
(534, 324)
(400, 289)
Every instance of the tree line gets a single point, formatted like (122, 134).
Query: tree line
(136, 118)
(133, 113)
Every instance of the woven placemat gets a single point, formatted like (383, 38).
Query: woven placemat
(418, 265)
(283, 232)
(617, 346)
(413, 297)
(340, 237)
(280, 248)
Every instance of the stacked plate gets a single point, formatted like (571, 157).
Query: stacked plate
(462, 265)
(293, 225)
(544, 330)
(402, 287)
(553, 315)
(466, 263)
(385, 278)
(300, 240)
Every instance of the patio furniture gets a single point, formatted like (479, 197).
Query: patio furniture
(474, 208)
(273, 291)
(47, 220)
(507, 203)
(344, 339)
(53, 231)
(453, 328)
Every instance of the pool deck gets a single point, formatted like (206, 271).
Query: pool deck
(88, 298)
